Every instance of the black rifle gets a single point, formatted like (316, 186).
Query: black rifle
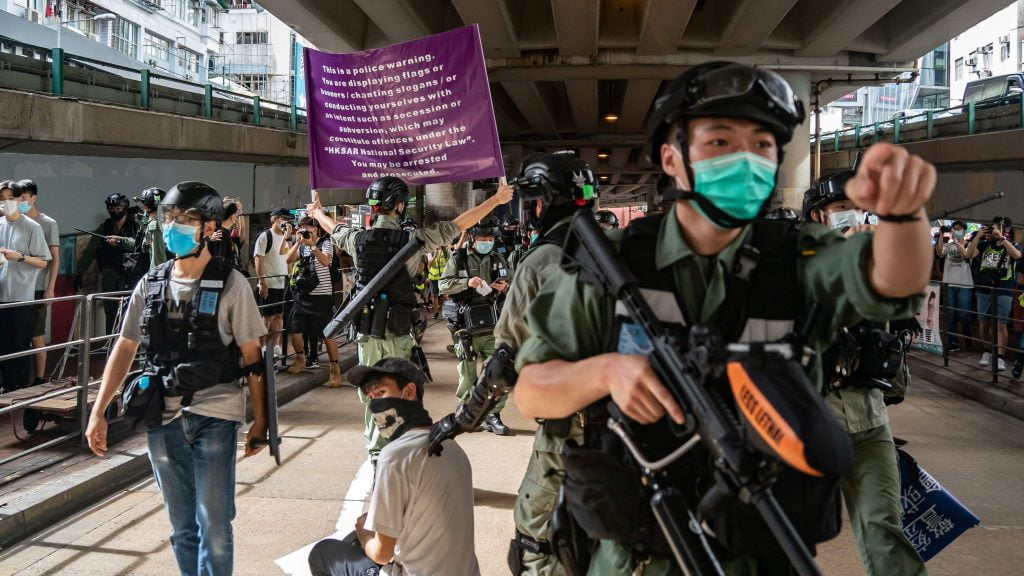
(359, 300)
(708, 421)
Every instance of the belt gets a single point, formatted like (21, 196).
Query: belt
(525, 542)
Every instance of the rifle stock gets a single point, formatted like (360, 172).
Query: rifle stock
(684, 373)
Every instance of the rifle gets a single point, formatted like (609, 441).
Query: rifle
(359, 300)
(708, 421)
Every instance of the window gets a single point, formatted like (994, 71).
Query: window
(157, 49)
(986, 57)
(958, 69)
(1004, 51)
(253, 82)
(124, 37)
(250, 37)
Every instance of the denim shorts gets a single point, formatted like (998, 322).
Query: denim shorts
(1003, 303)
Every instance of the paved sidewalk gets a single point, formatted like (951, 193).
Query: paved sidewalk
(47, 486)
(966, 378)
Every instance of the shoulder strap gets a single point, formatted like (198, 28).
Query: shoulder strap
(269, 243)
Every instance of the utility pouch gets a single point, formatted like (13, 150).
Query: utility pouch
(568, 541)
(602, 493)
(480, 318)
(379, 317)
(196, 375)
(143, 401)
(881, 355)
(400, 318)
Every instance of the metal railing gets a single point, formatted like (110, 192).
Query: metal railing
(146, 86)
(1001, 113)
(974, 316)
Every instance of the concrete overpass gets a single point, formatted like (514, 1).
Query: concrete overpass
(558, 68)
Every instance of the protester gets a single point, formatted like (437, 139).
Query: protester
(312, 297)
(109, 254)
(23, 256)
(956, 275)
(46, 281)
(420, 518)
(195, 319)
(994, 281)
(718, 133)
(271, 272)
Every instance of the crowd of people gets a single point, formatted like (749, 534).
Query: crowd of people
(537, 311)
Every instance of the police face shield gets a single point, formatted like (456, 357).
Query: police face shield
(731, 82)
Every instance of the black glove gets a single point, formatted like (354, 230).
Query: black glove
(444, 429)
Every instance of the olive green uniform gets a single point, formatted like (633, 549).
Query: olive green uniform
(152, 240)
(539, 489)
(371, 349)
(871, 488)
(480, 266)
(571, 320)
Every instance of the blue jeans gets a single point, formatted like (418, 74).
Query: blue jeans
(193, 459)
(961, 303)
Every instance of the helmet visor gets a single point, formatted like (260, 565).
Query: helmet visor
(735, 81)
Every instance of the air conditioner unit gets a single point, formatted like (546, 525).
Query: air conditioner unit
(35, 16)
(151, 62)
(1004, 39)
(972, 61)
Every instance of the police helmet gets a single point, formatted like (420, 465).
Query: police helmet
(564, 182)
(150, 198)
(29, 186)
(825, 191)
(606, 217)
(194, 198)
(728, 90)
(509, 220)
(783, 213)
(116, 199)
(489, 226)
(386, 193)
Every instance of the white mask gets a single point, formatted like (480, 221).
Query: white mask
(10, 206)
(845, 219)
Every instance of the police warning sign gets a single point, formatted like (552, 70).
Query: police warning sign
(420, 110)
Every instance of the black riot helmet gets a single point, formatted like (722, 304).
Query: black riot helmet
(727, 90)
(606, 217)
(831, 188)
(784, 214)
(150, 198)
(116, 199)
(384, 194)
(489, 226)
(194, 198)
(564, 183)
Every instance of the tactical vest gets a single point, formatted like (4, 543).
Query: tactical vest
(109, 257)
(188, 353)
(763, 301)
(391, 310)
(498, 270)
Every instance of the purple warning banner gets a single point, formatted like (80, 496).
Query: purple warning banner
(420, 110)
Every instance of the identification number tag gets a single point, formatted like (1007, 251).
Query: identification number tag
(208, 302)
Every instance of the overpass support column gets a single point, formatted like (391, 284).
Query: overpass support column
(795, 172)
(446, 201)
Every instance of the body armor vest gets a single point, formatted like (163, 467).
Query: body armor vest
(109, 257)
(391, 310)
(188, 353)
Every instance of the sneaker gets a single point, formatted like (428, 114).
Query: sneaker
(986, 359)
(277, 352)
(953, 349)
(1000, 365)
(493, 423)
(312, 362)
(1018, 368)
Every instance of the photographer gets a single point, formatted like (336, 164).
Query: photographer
(996, 278)
(268, 256)
(956, 274)
(312, 299)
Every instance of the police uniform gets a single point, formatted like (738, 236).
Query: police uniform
(376, 253)
(572, 321)
(454, 282)
(152, 241)
(109, 260)
(539, 488)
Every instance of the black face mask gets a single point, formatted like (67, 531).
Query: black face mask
(116, 215)
(393, 416)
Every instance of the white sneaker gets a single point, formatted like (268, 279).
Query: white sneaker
(986, 359)
(279, 354)
(1000, 365)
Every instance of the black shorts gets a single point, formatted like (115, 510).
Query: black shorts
(274, 296)
(310, 314)
(39, 321)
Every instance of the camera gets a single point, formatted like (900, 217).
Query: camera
(305, 234)
(283, 226)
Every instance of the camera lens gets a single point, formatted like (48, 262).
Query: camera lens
(305, 234)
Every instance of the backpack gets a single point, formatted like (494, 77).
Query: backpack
(269, 242)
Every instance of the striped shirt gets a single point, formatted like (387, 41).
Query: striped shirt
(324, 286)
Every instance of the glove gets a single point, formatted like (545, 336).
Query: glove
(444, 429)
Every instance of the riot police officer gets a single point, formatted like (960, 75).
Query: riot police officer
(383, 329)
(196, 320)
(606, 219)
(717, 133)
(857, 388)
(109, 255)
(552, 188)
(150, 236)
(475, 281)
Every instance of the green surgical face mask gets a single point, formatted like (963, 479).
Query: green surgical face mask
(736, 186)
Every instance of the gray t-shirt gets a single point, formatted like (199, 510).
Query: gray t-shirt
(955, 269)
(238, 321)
(426, 504)
(18, 279)
(52, 234)
(274, 263)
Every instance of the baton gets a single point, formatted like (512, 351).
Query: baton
(91, 233)
(360, 300)
(951, 211)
